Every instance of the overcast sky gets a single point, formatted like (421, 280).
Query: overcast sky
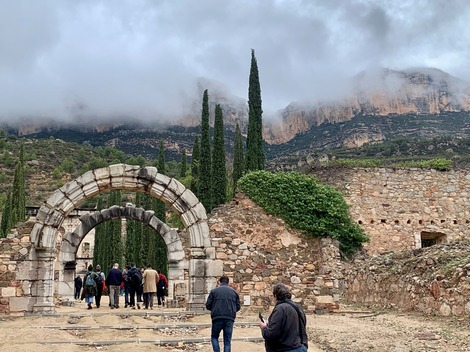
(144, 57)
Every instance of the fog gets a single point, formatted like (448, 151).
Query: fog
(104, 59)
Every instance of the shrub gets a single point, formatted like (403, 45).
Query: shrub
(305, 204)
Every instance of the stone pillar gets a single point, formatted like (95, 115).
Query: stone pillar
(44, 285)
(197, 279)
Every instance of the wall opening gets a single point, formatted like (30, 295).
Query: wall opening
(429, 239)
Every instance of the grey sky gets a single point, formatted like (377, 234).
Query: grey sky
(103, 58)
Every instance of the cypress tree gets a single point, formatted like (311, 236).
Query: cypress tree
(18, 195)
(99, 248)
(159, 206)
(205, 182)
(5, 226)
(183, 163)
(195, 161)
(219, 170)
(115, 243)
(255, 157)
(238, 166)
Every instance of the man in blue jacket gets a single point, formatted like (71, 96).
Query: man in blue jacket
(224, 303)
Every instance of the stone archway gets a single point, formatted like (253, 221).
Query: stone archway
(72, 240)
(124, 177)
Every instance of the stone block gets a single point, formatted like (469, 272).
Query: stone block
(188, 218)
(197, 286)
(91, 188)
(73, 191)
(180, 205)
(8, 291)
(21, 304)
(197, 267)
(147, 174)
(325, 300)
(214, 268)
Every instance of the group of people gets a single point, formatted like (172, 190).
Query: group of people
(285, 329)
(140, 286)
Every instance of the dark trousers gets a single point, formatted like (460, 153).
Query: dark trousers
(99, 293)
(161, 296)
(217, 326)
(127, 292)
(77, 292)
(135, 290)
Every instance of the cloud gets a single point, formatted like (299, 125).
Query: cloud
(143, 58)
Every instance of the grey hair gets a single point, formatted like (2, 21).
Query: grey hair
(281, 292)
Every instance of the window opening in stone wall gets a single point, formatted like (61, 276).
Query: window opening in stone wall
(409, 221)
(455, 222)
(429, 239)
(372, 221)
(383, 221)
(360, 222)
(443, 221)
(420, 222)
(397, 222)
(432, 222)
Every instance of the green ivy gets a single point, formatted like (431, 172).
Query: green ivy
(305, 204)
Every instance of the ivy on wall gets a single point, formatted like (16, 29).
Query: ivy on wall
(305, 204)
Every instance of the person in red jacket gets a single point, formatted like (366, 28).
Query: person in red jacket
(161, 285)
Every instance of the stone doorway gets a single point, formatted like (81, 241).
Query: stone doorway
(51, 215)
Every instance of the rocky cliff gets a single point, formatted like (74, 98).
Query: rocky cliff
(383, 93)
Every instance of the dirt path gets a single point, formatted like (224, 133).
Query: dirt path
(79, 329)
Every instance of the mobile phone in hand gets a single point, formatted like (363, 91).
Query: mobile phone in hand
(261, 317)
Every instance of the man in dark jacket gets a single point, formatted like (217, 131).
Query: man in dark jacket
(78, 286)
(224, 303)
(113, 281)
(286, 327)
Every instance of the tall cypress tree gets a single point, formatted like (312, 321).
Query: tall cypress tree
(219, 170)
(255, 157)
(5, 225)
(195, 161)
(115, 242)
(18, 195)
(99, 249)
(183, 164)
(160, 207)
(238, 166)
(205, 182)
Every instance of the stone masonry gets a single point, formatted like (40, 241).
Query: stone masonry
(400, 208)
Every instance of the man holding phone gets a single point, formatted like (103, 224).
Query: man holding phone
(286, 327)
(224, 303)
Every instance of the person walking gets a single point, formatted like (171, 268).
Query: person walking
(150, 277)
(113, 281)
(286, 327)
(135, 279)
(224, 303)
(99, 285)
(127, 285)
(89, 287)
(78, 283)
(161, 285)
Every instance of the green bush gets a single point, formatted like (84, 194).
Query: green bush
(439, 164)
(305, 204)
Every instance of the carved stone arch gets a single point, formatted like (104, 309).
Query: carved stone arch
(120, 177)
(71, 242)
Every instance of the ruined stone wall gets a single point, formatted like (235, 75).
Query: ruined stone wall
(399, 207)
(433, 280)
(16, 274)
(258, 250)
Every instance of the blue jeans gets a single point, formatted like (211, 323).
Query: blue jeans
(217, 326)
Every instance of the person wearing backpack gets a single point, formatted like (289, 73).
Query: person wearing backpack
(135, 278)
(99, 285)
(89, 286)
